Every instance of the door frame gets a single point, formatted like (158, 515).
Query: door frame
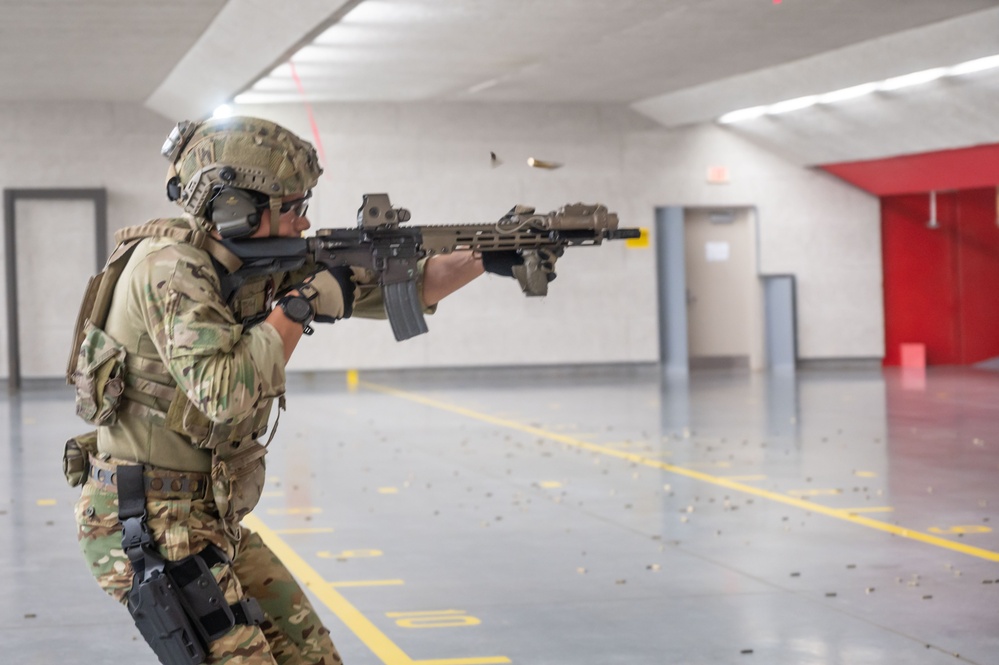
(671, 271)
(10, 198)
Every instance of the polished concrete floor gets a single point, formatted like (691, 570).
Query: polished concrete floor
(590, 516)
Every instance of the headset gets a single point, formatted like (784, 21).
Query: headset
(235, 212)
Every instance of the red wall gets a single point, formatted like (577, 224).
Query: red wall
(963, 168)
(941, 286)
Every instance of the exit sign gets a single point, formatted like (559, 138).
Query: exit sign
(718, 175)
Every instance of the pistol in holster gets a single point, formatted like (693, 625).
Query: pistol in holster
(178, 606)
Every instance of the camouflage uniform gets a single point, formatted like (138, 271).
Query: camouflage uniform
(192, 392)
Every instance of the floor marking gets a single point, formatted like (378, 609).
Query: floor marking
(872, 509)
(46, 502)
(349, 554)
(969, 528)
(358, 583)
(308, 510)
(379, 643)
(305, 531)
(496, 660)
(434, 619)
(550, 484)
(720, 481)
(388, 490)
(815, 492)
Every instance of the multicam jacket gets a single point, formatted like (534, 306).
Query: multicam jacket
(197, 385)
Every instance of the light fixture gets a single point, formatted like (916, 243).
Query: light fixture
(971, 66)
(743, 114)
(843, 94)
(848, 93)
(793, 104)
(916, 78)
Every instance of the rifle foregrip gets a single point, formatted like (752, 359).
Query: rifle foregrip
(405, 313)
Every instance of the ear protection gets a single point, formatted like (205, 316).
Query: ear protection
(234, 212)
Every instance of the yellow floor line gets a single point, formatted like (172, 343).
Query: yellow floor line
(846, 515)
(379, 643)
(360, 625)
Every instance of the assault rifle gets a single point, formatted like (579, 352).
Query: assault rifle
(379, 243)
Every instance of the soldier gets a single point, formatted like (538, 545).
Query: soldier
(178, 366)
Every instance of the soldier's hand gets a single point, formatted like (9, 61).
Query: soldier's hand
(504, 261)
(331, 293)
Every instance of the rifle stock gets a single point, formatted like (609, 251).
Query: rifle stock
(380, 244)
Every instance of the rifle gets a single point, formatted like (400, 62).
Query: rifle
(379, 243)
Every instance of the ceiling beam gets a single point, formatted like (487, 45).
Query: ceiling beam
(247, 39)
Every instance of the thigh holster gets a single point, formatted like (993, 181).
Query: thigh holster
(177, 605)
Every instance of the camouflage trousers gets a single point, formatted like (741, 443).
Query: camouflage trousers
(183, 524)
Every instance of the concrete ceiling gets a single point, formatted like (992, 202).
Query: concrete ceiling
(676, 61)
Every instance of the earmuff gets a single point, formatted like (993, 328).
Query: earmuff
(173, 188)
(234, 212)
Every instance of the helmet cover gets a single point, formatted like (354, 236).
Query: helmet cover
(241, 152)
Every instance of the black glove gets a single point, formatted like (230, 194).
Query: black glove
(330, 292)
(503, 261)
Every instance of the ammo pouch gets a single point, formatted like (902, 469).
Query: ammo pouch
(99, 377)
(238, 475)
(76, 457)
(177, 605)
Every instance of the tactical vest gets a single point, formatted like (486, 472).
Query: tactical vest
(111, 380)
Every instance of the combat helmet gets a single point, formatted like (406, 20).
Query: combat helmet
(225, 171)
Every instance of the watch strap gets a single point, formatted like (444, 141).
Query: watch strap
(283, 302)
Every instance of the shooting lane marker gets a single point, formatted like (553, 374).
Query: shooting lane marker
(777, 497)
(363, 583)
(353, 380)
(379, 643)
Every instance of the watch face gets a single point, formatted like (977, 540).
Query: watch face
(297, 309)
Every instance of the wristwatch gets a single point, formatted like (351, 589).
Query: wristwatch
(298, 309)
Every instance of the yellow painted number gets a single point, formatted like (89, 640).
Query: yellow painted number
(433, 619)
(957, 530)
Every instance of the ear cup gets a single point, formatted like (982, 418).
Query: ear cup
(234, 212)
(173, 188)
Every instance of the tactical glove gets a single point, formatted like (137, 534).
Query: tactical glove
(533, 268)
(331, 293)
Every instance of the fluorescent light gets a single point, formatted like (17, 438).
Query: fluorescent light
(479, 87)
(978, 65)
(743, 114)
(848, 93)
(895, 83)
(223, 111)
(792, 104)
(916, 78)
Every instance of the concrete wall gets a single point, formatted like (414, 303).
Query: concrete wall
(435, 160)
